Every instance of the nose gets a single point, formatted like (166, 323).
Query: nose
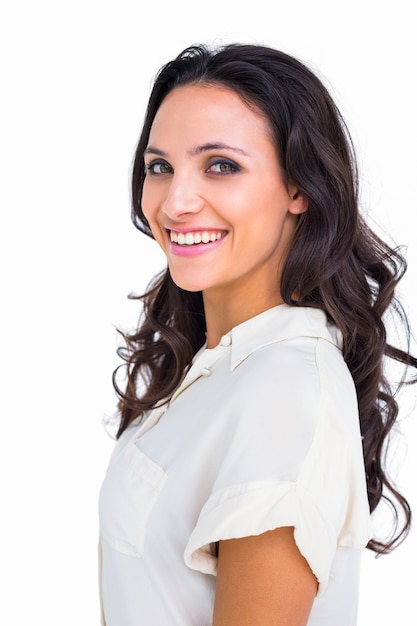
(183, 198)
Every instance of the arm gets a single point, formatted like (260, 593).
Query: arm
(263, 581)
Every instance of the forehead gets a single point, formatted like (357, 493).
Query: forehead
(201, 110)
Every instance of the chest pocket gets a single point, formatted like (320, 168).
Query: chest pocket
(129, 492)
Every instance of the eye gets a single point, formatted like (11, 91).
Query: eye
(223, 167)
(158, 168)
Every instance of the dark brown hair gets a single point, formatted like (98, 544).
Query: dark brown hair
(336, 263)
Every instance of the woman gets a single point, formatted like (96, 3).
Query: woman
(249, 452)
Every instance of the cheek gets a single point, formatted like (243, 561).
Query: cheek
(150, 208)
(147, 203)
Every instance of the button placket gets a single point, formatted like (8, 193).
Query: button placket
(226, 341)
(202, 366)
(153, 418)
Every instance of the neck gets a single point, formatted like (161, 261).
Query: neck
(224, 313)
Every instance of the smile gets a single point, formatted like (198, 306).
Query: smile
(195, 237)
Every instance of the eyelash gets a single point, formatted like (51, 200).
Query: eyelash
(231, 164)
(149, 168)
(233, 167)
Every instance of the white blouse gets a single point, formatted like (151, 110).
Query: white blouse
(263, 432)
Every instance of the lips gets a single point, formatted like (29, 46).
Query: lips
(192, 238)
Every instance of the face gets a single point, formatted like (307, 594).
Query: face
(214, 195)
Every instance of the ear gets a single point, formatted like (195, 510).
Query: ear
(299, 203)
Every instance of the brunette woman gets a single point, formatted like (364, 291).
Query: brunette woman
(256, 411)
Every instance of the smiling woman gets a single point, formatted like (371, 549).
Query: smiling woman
(256, 411)
(234, 199)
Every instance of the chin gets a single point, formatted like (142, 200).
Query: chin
(187, 285)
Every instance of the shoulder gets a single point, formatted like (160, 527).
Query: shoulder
(291, 378)
(304, 360)
(286, 338)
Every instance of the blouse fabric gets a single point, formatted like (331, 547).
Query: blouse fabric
(263, 432)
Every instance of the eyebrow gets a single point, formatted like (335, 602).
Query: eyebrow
(217, 145)
(206, 147)
(152, 150)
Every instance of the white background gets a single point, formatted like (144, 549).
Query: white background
(75, 77)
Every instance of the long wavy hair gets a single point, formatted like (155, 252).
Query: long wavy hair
(336, 263)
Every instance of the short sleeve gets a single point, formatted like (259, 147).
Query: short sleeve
(294, 458)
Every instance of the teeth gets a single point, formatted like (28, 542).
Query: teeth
(189, 239)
